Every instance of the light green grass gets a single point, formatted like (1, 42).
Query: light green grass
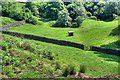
(97, 63)
(91, 32)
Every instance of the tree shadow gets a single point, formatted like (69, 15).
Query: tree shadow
(115, 32)
(108, 57)
(114, 45)
(45, 20)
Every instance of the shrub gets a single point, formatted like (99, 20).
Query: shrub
(6, 60)
(82, 68)
(13, 52)
(79, 20)
(4, 46)
(8, 70)
(25, 45)
(74, 25)
(33, 20)
(66, 72)
(89, 14)
(70, 70)
(30, 74)
(93, 17)
(57, 65)
(48, 55)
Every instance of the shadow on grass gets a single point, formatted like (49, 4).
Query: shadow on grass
(45, 20)
(115, 32)
(114, 45)
(108, 57)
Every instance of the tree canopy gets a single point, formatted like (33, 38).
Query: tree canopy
(69, 14)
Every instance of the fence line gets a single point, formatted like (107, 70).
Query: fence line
(64, 43)
(6, 27)
(105, 50)
(44, 39)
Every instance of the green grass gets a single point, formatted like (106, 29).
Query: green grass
(5, 21)
(96, 63)
(91, 32)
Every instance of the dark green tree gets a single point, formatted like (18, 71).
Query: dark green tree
(50, 9)
(76, 9)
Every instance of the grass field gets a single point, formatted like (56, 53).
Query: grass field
(91, 32)
(97, 64)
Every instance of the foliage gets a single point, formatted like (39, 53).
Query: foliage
(17, 11)
(64, 19)
(79, 20)
(82, 68)
(6, 21)
(93, 17)
(102, 10)
(110, 9)
(48, 55)
(34, 7)
(76, 9)
(57, 65)
(23, 61)
(32, 11)
(69, 70)
(50, 10)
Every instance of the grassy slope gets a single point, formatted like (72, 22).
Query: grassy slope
(115, 32)
(96, 63)
(91, 32)
(5, 21)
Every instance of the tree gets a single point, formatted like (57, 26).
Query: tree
(76, 9)
(50, 9)
(79, 20)
(18, 11)
(102, 10)
(64, 20)
(34, 7)
(118, 9)
(110, 9)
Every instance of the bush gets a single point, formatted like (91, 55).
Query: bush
(79, 20)
(82, 68)
(13, 52)
(48, 55)
(33, 20)
(66, 72)
(70, 70)
(25, 45)
(93, 17)
(57, 65)
(89, 14)
(74, 25)
(6, 60)
(4, 46)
